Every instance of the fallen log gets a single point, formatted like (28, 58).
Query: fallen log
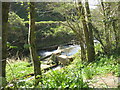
(42, 59)
(49, 68)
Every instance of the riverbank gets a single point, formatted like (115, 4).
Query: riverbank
(77, 74)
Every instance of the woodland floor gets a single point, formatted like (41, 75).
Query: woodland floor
(106, 81)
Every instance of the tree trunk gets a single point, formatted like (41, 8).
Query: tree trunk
(115, 33)
(118, 34)
(31, 41)
(5, 11)
(86, 32)
(83, 53)
(91, 39)
(106, 12)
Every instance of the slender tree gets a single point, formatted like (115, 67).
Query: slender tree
(106, 14)
(5, 11)
(31, 41)
(80, 37)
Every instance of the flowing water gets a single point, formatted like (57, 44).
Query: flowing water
(68, 50)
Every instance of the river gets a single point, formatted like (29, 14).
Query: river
(68, 50)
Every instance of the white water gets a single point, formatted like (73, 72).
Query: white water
(68, 50)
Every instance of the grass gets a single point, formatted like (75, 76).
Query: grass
(64, 78)
(17, 70)
(72, 76)
(107, 65)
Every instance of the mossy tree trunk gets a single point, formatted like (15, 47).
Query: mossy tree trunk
(5, 11)
(31, 41)
(91, 39)
(86, 32)
(83, 53)
(118, 34)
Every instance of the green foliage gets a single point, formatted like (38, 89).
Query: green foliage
(48, 33)
(17, 70)
(62, 31)
(101, 66)
(53, 34)
(20, 8)
(87, 73)
(44, 11)
(105, 65)
(72, 76)
(64, 8)
(65, 78)
(13, 47)
(17, 34)
(2, 81)
(27, 46)
(14, 19)
(8, 44)
(106, 25)
(98, 48)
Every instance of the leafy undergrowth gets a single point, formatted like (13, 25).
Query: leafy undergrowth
(17, 70)
(101, 66)
(72, 76)
(64, 78)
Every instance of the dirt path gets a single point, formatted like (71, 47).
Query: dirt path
(107, 81)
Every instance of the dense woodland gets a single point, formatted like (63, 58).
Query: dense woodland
(31, 27)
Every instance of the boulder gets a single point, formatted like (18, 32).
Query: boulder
(61, 59)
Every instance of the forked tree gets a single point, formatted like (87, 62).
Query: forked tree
(88, 33)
